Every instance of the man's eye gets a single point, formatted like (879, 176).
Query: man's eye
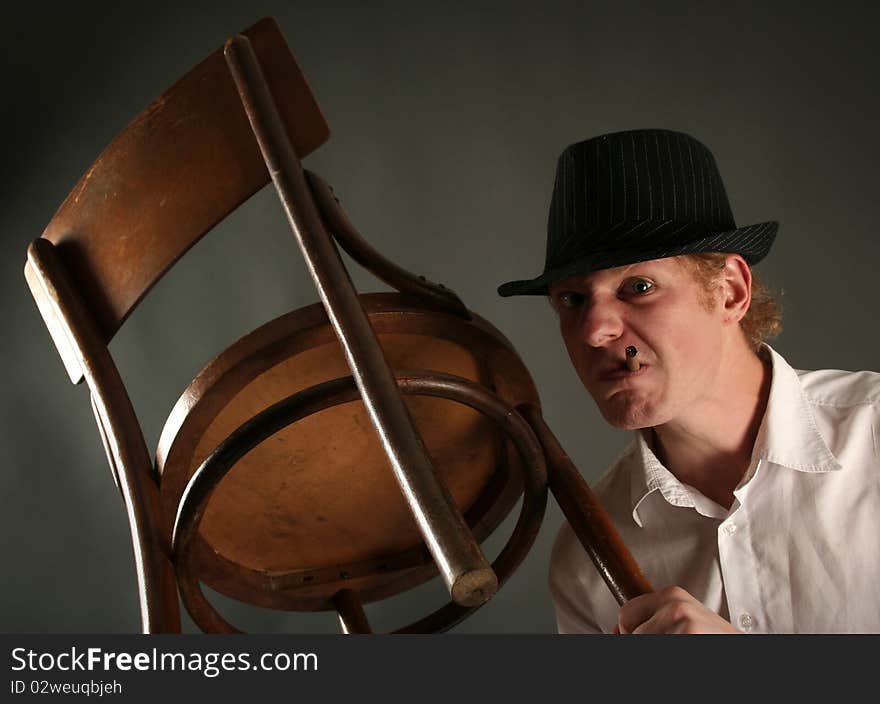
(570, 299)
(639, 287)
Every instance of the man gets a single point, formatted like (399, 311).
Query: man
(750, 493)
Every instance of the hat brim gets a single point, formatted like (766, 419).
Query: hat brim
(752, 242)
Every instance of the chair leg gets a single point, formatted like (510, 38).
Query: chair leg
(352, 618)
(120, 432)
(465, 570)
(591, 524)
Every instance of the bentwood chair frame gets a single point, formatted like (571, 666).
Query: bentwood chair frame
(128, 220)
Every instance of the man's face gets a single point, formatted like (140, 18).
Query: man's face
(658, 307)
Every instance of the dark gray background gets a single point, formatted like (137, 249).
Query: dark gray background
(446, 125)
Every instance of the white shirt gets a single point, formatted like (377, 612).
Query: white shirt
(799, 549)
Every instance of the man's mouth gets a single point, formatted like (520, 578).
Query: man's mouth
(623, 372)
(628, 367)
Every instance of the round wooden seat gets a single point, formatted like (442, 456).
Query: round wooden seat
(315, 508)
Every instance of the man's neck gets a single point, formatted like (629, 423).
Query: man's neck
(711, 447)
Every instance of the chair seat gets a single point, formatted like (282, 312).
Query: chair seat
(316, 508)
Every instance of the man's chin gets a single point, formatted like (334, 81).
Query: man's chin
(627, 412)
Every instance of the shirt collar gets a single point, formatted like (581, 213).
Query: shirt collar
(788, 436)
(653, 477)
(791, 437)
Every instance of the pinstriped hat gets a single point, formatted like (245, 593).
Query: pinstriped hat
(632, 196)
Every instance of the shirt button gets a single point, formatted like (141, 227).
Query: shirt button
(730, 528)
(746, 622)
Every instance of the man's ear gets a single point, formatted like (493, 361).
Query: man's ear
(736, 288)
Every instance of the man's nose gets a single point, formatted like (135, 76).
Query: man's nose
(601, 323)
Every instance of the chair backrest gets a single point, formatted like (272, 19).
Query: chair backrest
(177, 170)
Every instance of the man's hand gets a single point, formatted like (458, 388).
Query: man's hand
(670, 610)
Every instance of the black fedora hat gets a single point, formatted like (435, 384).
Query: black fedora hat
(632, 196)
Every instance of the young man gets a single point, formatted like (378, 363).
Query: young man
(750, 493)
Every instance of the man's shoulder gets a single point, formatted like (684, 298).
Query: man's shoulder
(616, 479)
(845, 407)
(839, 388)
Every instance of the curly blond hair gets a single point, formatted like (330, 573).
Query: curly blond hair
(763, 320)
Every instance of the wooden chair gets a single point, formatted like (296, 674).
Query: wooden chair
(291, 474)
